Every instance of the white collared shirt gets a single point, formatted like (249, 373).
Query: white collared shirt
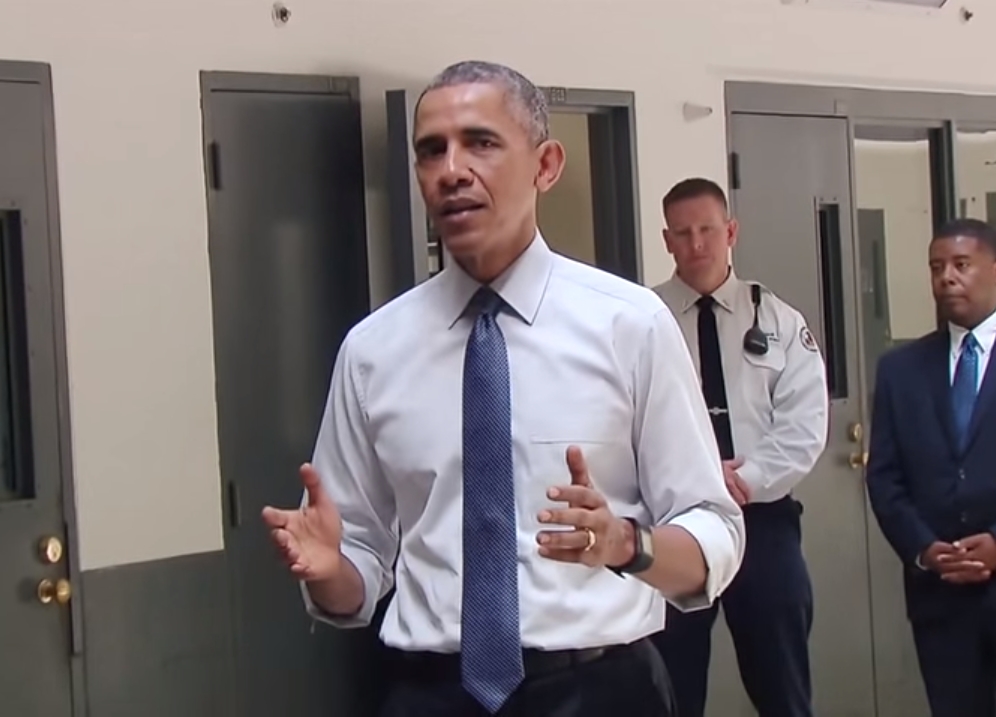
(985, 334)
(595, 361)
(778, 402)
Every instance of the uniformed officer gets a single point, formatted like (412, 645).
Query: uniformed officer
(764, 382)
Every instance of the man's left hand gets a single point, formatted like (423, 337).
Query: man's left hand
(979, 548)
(597, 537)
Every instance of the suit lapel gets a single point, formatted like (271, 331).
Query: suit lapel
(938, 359)
(983, 403)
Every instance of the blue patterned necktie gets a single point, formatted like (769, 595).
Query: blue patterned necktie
(491, 647)
(964, 389)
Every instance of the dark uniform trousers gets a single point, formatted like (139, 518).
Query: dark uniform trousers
(628, 681)
(769, 611)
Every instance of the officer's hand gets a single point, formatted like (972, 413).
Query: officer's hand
(738, 488)
(596, 537)
(308, 538)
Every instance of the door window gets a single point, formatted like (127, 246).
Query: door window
(15, 442)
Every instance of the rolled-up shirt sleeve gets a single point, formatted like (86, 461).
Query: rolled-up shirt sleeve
(351, 475)
(680, 471)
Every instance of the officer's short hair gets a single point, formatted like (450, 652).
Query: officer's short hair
(694, 188)
(972, 228)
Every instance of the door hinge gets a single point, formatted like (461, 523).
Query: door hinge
(734, 171)
(214, 170)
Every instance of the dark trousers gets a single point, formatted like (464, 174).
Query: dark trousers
(628, 680)
(769, 610)
(957, 654)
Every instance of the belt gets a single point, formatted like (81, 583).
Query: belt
(436, 666)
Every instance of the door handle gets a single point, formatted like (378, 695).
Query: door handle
(858, 460)
(59, 591)
(855, 432)
(50, 550)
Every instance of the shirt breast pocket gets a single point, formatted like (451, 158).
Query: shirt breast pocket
(611, 465)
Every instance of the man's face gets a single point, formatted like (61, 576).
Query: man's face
(699, 236)
(963, 278)
(478, 168)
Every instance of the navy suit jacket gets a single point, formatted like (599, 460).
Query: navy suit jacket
(922, 486)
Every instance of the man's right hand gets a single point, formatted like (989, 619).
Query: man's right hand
(309, 538)
(739, 490)
(949, 562)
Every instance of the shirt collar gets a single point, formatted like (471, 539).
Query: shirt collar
(725, 295)
(521, 286)
(985, 334)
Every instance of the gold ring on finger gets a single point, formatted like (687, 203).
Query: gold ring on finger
(591, 539)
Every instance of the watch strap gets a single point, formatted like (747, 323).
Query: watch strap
(640, 560)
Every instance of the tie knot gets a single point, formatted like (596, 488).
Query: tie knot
(706, 302)
(970, 343)
(486, 301)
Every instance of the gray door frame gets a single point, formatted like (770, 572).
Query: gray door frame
(941, 113)
(615, 183)
(40, 74)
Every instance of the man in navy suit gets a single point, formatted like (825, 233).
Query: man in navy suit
(932, 474)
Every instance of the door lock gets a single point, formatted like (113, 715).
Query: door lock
(59, 591)
(50, 550)
(858, 460)
(855, 432)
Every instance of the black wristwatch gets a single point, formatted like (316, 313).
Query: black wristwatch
(643, 551)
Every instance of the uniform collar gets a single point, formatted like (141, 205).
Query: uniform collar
(725, 295)
(521, 286)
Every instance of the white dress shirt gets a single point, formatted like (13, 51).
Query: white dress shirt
(985, 334)
(595, 361)
(778, 402)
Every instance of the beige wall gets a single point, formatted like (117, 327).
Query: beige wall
(133, 206)
(895, 177)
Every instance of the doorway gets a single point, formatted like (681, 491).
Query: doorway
(287, 245)
(890, 167)
(40, 634)
(591, 214)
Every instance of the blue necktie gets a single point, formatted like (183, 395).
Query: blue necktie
(491, 646)
(965, 386)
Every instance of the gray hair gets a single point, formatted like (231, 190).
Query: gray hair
(524, 97)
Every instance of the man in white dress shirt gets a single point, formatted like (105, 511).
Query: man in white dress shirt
(522, 439)
(764, 382)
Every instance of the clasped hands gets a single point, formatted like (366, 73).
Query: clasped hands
(598, 537)
(965, 561)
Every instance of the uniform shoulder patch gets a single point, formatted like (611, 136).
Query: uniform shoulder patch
(807, 339)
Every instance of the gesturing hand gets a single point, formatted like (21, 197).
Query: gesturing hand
(597, 537)
(308, 538)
